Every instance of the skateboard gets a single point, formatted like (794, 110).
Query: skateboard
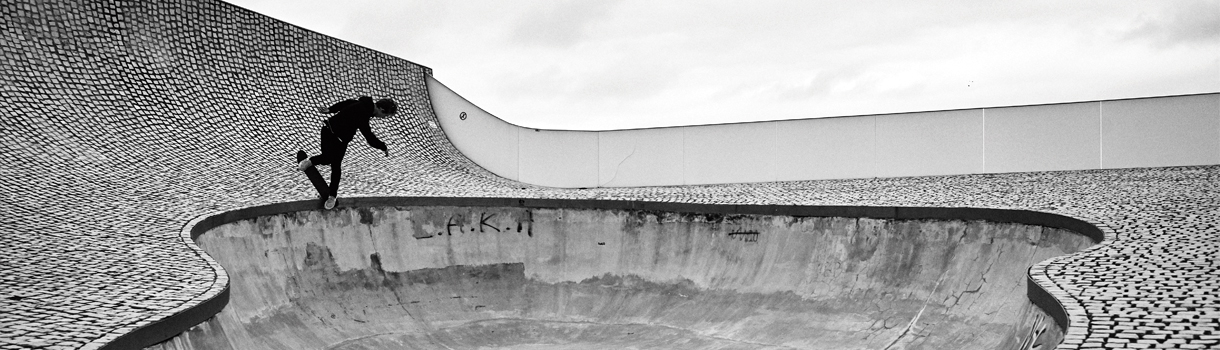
(314, 177)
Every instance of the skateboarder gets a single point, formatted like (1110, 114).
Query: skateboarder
(338, 130)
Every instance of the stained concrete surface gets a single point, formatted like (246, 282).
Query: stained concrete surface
(521, 278)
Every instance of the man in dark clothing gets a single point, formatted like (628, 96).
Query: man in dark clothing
(339, 129)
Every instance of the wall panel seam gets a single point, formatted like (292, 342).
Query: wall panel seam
(1101, 135)
(775, 151)
(875, 162)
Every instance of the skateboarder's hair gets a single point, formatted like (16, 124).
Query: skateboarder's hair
(387, 105)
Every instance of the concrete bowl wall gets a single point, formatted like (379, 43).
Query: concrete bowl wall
(467, 277)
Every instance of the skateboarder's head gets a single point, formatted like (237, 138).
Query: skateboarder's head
(385, 107)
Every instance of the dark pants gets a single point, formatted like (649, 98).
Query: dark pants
(333, 150)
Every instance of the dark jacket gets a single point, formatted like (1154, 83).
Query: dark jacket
(352, 115)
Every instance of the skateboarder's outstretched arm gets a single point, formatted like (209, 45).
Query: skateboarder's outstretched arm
(372, 139)
(338, 106)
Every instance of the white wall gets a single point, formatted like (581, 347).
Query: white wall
(930, 143)
(826, 148)
(640, 157)
(1161, 132)
(1043, 138)
(1146, 132)
(558, 158)
(728, 153)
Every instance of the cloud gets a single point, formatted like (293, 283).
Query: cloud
(625, 81)
(559, 25)
(828, 81)
(1189, 23)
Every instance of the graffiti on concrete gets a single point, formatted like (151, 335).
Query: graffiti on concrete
(484, 223)
(745, 236)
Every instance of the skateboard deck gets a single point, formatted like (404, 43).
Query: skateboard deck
(314, 177)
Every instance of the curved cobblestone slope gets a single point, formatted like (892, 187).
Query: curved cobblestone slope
(126, 120)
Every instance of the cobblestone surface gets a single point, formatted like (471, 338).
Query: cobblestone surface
(126, 120)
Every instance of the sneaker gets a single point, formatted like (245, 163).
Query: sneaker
(304, 164)
(330, 203)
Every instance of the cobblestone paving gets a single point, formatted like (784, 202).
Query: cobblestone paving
(128, 119)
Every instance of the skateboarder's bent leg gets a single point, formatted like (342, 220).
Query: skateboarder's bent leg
(336, 170)
(336, 173)
(333, 151)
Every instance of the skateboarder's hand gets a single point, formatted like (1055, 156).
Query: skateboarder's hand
(323, 109)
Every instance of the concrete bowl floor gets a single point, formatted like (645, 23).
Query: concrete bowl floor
(435, 277)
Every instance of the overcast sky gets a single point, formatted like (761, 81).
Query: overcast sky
(597, 65)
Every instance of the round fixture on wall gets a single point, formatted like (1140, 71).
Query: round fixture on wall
(462, 116)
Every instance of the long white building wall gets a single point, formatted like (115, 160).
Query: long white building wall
(1144, 132)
